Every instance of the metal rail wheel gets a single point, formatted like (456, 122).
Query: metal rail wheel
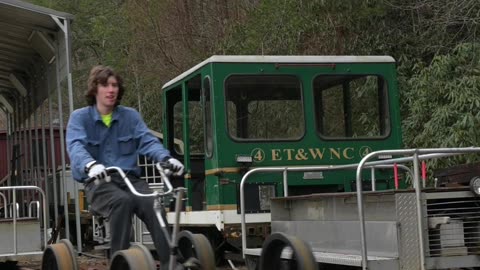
(282, 251)
(60, 256)
(196, 251)
(136, 257)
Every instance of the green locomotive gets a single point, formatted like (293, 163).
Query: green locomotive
(235, 113)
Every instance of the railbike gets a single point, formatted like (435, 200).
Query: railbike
(187, 250)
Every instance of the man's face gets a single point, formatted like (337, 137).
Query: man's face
(107, 94)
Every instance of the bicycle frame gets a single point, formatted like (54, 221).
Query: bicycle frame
(158, 207)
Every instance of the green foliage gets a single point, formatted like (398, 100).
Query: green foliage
(442, 100)
(100, 36)
(273, 28)
(150, 42)
(310, 27)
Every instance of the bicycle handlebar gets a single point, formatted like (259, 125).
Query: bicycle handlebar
(163, 175)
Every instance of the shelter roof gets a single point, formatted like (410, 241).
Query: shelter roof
(32, 40)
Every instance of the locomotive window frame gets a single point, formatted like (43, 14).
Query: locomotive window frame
(207, 116)
(174, 96)
(382, 107)
(175, 126)
(298, 87)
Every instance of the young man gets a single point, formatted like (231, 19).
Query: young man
(107, 134)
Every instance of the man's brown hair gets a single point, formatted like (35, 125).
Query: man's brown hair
(99, 75)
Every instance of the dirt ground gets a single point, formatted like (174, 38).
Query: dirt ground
(85, 263)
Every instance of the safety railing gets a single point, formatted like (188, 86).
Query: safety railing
(5, 205)
(32, 209)
(15, 215)
(416, 155)
(10, 209)
(285, 170)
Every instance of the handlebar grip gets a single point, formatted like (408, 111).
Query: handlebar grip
(111, 170)
(166, 165)
(88, 180)
(108, 170)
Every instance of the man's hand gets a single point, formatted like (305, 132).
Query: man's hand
(177, 166)
(99, 172)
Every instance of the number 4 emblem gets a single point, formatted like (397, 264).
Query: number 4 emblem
(258, 155)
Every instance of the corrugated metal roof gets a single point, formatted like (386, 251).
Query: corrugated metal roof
(29, 37)
(28, 10)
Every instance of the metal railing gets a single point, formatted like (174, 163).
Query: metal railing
(416, 156)
(37, 209)
(15, 217)
(285, 170)
(5, 205)
(17, 209)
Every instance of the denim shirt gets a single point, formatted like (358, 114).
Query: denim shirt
(88, 139)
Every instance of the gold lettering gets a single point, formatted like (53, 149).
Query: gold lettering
(276, 154)
(334, 152)
(258, 156)
(346, 154)
(289, 153)
(365, 150)
(304, 154)
(316, 152)
(301, 155)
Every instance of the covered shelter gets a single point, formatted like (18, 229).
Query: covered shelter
(35, 83)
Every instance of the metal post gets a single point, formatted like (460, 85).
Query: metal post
(14, 210)
(418, 188)
(178, 209)
(70, 99)
(374, 187)
(16, 141)
(361, 215)
(30, 154)
(45, 168)
(65, 26)
(9, 146)
(53, 160)
(37, 150)
(62, 154)
(285, 183)
(23, 175)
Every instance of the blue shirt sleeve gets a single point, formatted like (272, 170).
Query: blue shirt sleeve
(76, 139)
(148, 145)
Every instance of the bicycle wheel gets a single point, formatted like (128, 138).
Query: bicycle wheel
(195, 251)
(282, 251)
(136, 257)
(60, 256)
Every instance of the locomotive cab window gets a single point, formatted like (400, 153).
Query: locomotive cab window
(174, 122)
(264, 107)
(195, 117)
(351, 106)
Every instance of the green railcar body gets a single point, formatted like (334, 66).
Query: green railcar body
(235, 113)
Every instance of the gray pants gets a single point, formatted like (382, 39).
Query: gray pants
(115, 201)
